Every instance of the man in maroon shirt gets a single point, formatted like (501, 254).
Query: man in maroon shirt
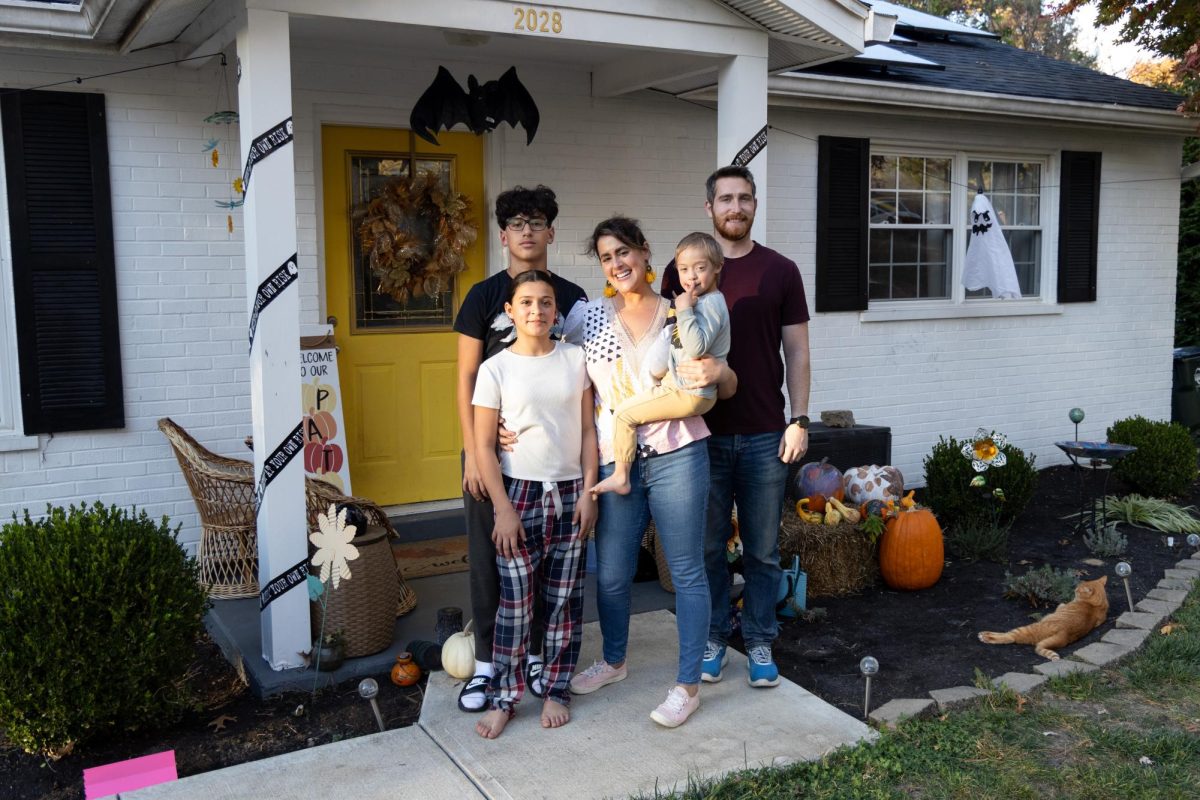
(752, 442)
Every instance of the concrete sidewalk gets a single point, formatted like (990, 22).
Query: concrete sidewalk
(611, 748)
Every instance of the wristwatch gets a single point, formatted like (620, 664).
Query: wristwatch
(801, 420)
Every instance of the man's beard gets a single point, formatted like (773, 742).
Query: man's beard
(722, 226)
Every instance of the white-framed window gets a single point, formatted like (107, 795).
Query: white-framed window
(920, 223)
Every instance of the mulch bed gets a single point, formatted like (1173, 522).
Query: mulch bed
(923, 640)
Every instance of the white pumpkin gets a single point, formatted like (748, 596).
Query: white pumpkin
(458, 654)
(872, 483)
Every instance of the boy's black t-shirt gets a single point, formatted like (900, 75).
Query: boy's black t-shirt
(481, 315)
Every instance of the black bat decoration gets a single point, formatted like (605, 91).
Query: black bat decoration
(444, 104)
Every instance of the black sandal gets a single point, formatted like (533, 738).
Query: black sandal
(533, 676)
(479, 684)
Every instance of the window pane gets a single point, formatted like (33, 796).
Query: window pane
(933, 246)
(1004, 177)
(978, 174)
(880, 282)
(880, 247)
(1027, 210)
(937, 174)
(883, 172)
(911, 208)
(934, 280)
(904, 246)
(904, 282)
(1029, 177)
(883, 208)
(1026, 248)
(937, 208)
(912, 173)
(1003, 203)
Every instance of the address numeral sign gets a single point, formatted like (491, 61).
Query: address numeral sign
(535, 21)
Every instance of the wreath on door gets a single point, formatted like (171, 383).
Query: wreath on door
(415, 235)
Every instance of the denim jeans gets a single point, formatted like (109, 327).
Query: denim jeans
(673, 488)
(745, 468)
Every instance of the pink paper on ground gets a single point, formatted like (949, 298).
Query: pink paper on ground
(125, 776)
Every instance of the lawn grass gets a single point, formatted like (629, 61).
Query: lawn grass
(1083, 736)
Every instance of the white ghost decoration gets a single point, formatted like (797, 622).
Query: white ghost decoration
(989, 262)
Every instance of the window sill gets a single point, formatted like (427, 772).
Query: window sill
(13, 442)
(995, 308)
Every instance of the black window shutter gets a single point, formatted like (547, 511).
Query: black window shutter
(842, 167)
(64, 273)
(1078, 226)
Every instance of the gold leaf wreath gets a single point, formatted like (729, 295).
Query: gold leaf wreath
(415, 235)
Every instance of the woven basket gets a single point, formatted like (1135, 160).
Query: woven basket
(839, 559)
(363, 607)
(651, 543)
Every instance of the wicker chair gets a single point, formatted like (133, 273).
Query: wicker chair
(223, 490)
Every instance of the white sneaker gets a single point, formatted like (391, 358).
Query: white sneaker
(675, 710)
(597, 676)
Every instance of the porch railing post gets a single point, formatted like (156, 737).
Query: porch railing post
(741, 116)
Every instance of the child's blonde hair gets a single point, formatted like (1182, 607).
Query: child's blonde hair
(706, 244)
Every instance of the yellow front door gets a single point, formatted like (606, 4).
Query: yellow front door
(397, 360)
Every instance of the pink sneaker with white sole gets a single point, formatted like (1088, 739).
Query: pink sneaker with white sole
(675, 710)
(597, 676)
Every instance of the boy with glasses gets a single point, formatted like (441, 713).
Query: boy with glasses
(526, 221)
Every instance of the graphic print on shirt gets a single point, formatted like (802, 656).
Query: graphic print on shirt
(600, 343)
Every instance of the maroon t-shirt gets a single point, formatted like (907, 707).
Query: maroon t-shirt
(764, 292)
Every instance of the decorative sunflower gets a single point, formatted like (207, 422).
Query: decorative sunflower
(985, 450)
(333, 546)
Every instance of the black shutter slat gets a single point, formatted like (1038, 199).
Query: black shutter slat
(64, 272)
(842, 173)
(1078, 226)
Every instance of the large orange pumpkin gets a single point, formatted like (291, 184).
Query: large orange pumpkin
(911, 553)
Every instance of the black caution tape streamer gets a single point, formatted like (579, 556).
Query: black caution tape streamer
(271, 288)
(752, 148)
(264, 146)
(288, 449)
(282, 584)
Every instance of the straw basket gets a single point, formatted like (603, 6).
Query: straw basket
(363, 607)
(839, 559)
(651, 543)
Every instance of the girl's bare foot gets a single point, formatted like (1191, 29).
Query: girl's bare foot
(493, 722)
(554, 714)
(611, 484)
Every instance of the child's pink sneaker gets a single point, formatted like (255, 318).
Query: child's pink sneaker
(675, 710)
(597, 676)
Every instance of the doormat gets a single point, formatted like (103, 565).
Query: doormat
(431, 556)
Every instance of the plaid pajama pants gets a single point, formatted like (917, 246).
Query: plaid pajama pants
(550, 561)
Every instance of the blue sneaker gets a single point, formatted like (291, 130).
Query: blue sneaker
(763, 671)
(714, 659)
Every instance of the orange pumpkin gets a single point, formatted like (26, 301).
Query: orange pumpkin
(405, 672)
(911, 552)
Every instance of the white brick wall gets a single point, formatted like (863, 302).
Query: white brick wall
(181, 280)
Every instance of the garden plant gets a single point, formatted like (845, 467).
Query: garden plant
(1165, 462)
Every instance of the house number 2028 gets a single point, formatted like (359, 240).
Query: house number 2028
(530, 19)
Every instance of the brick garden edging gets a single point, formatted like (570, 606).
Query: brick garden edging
(1130, 632)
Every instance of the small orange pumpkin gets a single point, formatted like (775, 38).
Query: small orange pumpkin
(911, 552)
(405, 672)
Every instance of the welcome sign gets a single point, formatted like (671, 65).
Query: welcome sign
(322, 426)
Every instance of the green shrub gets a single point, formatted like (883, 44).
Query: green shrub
(979, 539)
(1042, 586)
(1165, 462)
(949, 493)
(99, 611)
(1106, 541)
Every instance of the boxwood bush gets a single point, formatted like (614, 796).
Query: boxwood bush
(1165, 462)
(949, 493)
(99, 612)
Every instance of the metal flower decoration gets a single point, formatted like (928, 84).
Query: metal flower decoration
(985, 450)
(333, 546)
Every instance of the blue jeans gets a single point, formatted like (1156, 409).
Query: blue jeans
(745, 468)
(673, 488)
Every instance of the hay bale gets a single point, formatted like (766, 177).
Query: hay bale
(838, 559)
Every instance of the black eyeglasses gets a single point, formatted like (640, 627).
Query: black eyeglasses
(519, 223)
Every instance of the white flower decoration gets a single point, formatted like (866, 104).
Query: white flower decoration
(333, 546)
(985, 450)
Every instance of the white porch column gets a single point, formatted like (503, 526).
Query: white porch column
(272, 286)
(741, 115)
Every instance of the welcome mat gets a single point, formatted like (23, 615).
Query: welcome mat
(431, 556)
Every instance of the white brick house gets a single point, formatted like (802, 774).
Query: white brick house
(637, 106)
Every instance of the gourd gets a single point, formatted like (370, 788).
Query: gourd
(818, 481)
(911, 552)
(851, 515)
(811, 517)
(404, 671)
(458, 654)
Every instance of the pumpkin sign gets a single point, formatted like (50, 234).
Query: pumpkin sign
(872, 482)
(911, 552)
(321, 458)
(818, 481)
(319, 426)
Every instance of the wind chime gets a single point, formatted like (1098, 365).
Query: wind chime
(222, 115)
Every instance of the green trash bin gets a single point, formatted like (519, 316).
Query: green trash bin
(1185, 391)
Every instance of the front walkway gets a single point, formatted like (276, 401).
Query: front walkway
(611, 748)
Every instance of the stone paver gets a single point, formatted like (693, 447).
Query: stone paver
(1020, 682)
(1126, 637)
(1181, 574)
(1102, 653)
(1163, 607)
(1139, 619)
(1056, 669)
(1189, 563)
(956, 696)
(891, 712)
(1175, 583)
(1170, 595)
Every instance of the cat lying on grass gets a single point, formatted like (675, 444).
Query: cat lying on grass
(1069, 622)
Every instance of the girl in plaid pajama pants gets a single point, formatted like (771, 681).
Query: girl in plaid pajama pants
(540, 493)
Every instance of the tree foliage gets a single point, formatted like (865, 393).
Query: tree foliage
(1187, 281)
(1020, 23)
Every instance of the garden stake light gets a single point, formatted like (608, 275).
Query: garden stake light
(1076, 415)
(868, 667)
(1193, 540)
(367, 689)
(1123, 572)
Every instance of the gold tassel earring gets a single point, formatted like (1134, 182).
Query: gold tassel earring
(649, 274)
(609, 291)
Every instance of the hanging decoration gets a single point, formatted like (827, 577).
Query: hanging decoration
(444, 104)
(416, 234)
(989, 262)
(222, 116)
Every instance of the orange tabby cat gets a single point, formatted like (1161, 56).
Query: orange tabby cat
(1070, 621)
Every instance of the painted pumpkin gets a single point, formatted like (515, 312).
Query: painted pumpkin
(911, 552)
(321, 396)
(319, 426)
(404, 671)
(818, 481)
(321, 458)
(872, 482)
(458, 654)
